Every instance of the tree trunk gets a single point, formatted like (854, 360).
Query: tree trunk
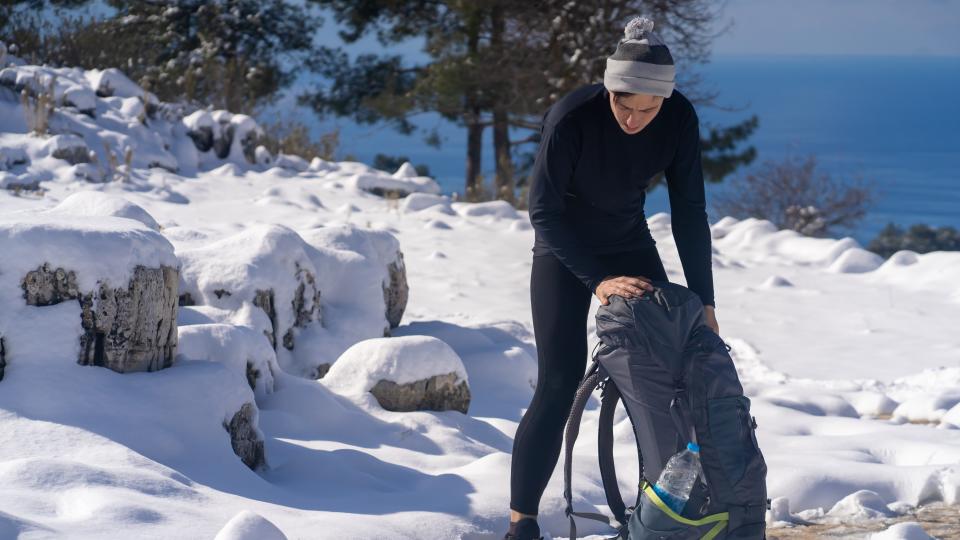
(474, 185)
(473, 190)
(501, 127)
(501, 149)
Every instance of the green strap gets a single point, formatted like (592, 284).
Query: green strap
(719, 518)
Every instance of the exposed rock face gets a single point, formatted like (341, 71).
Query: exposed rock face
(46, 287)
(438, 393)
(71, 149)
(126, 329)
(3, 357)
(396, 292)
(263, 299)
(244, 439)
(202, 138)
(306, 307)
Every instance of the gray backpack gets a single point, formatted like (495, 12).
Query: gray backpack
(678, 384)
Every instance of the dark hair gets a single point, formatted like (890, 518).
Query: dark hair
(620, 93)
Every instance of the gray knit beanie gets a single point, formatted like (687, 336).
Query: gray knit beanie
(641, 64)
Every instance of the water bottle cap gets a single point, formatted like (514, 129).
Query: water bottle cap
(693, 447)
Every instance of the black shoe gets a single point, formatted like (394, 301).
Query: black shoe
(525, 529)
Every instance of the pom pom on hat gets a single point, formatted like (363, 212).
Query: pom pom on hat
(637, 27)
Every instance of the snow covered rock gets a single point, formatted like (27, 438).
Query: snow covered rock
(907, 530)
(241, 348)
(123, 275)
(862, 504)
(496, 209)
(267, 265)
(291, 162)
(248, 525)
(12, 157)
(385, 185)
(69, 148)
(856, 260)
(407, 373)
(416, 202)
(230, 136)
(380, 248)
(96, 203)
(112, 82)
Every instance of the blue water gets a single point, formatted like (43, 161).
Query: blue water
(894, 121)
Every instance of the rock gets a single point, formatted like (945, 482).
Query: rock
(69, 148)
(46, 287)
(125, 329)
(438, 393)
(291, 162)
(202, 138)
(3, 357)
(249, 526)
(245, 438)
(12, 157)
(241, 349)
(123, 275)
(408, 373)
(133, 328)
(416, 202)
(267, 265)
(396, 291)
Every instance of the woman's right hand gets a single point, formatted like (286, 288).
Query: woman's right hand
(625, 286)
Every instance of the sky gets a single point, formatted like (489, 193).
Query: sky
(841, 27)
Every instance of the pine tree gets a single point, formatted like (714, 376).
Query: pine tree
(500, 64)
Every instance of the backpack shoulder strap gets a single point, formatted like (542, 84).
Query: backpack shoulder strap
(571, 432)
(610, 396)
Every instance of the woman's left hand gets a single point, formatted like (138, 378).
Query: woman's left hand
(711, 319)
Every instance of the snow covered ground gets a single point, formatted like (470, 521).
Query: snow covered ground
(852, 363)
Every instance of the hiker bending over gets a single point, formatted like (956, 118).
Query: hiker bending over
(601, 144)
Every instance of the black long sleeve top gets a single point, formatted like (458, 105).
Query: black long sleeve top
(589, 180)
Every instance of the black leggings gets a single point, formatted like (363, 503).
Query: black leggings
(560, 305)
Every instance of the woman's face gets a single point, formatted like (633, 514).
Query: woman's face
(635, 111)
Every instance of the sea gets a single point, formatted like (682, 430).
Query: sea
(893, 122)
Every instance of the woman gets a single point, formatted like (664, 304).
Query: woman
(600, 146)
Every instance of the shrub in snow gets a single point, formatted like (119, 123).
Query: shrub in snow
(96, 203)
(249, 526)
(408, 373)
(123, 274)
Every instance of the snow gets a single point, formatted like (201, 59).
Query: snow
(902, 531)
(402, 360)
(851, 367)
(96, 203)
(248, 525)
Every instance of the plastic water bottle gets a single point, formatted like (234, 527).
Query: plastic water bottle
(677, 479)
